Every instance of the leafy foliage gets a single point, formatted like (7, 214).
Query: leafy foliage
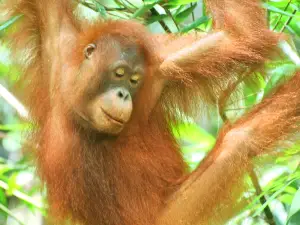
(280, 183)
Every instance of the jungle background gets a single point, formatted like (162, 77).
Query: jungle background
(275, 194)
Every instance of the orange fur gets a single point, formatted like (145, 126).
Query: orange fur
(213, 194)
(93, 179)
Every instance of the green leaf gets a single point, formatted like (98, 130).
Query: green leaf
(4, 169)
(291, 190)
(294, 219)
(296, 40)
(150, 1)
(295, 6)
(288, 50)
(154, 19)
(12, 184)
(101, 9)
(195, 24)
(14, 127)
(180, 2)
(4, 209)
(193, 134)
(184, 14)
(277, 10)
(271, 198)
(295, 207)
(3, 199)
(253, 92)
(22, 196)
(286, 198)
(143, 9)
(279, 3)
(279, 75)
(9, 22)
(12, 142)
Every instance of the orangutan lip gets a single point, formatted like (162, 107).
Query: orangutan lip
(120, 122)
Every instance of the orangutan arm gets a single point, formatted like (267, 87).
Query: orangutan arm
(207, 66)
(212, 194)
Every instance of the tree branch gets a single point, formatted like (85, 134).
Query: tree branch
(262, 199)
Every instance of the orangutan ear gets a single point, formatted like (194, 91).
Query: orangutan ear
(89, 49)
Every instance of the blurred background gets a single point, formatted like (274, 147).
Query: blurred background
(275, 194)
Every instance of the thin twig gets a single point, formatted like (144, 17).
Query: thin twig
(243, 98)
(268, 14)
(22, 196)
(224, 97)
(262, 199)
(14, 102)
(127, 6)
(279, 19)
(172, 17)
(238, 108)
(11, 214)
(118, 16)
(222, 113)
(108, 10)
(290, 53)
(252, 173)
(256, 185)
(288, 21)
(161, 22)
(94, 8)
(193, 14)
(129, 3)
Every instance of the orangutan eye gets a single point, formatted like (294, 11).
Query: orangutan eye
(134, 79)
(120, 72)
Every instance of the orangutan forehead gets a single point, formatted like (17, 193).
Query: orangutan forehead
(122, 42)
(121, 48)
(132, 54)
